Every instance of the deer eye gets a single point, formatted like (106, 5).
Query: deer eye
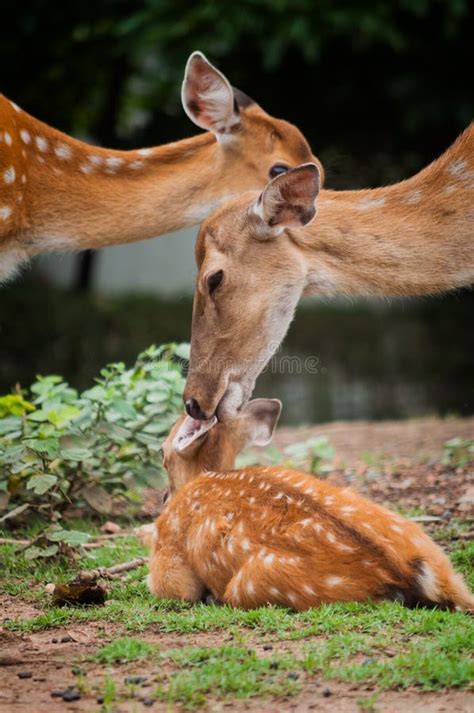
(214, 280)
(277, 169)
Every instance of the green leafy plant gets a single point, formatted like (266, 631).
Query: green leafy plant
(60, 448)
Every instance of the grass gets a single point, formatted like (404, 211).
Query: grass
(385, 645)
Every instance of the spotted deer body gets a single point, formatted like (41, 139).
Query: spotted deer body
(261, 536)
(59, 193)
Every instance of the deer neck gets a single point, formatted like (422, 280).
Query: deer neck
(60, 193)
(411, 238)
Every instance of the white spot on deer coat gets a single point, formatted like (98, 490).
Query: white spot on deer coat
(7, 138)
(5, 212)
(414, 197)
(63, 152)
(334, 581)
(145, 152)
(25, 136)
(369, 203)
(41, 143)
(9, 175)
(113, 162)
(86, 168)
(245, 544)
(348, 509)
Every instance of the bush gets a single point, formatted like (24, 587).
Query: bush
(60, 448)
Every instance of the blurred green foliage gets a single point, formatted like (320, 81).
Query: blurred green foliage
(60, 448)
(365, 78)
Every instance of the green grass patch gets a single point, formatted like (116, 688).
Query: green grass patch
(384, 644)
(123, 650)
(225, 672)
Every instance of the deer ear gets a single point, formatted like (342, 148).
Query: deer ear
(288, 200)
(207, 97)
(262, 417)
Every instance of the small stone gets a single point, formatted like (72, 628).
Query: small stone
(54, 641)
(148, 702)
(293, 676)
(326, 692)
(24, 674)
(69, 695)
(274, 664)
(76, 671)
(267, 647)
(56, 694)
(66, 639)
(135, 679)
(99, 700)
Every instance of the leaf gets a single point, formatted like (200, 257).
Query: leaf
(98, 498)
(48, 445)
(77, 454)
(14, 513)
(40, 484)
(183, 351)
(12, 454)
(63, 415)
(38, 416)
(15, 405)
(34, 552)
(123, 408)
(69, 537)
(7, 425)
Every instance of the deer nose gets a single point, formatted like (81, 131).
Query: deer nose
(194, 410)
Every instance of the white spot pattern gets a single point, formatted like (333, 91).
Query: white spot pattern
(41, 143)
(334, 581)
(25, 136)
(63, 152)
(9, 175)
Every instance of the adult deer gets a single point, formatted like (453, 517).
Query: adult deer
(261, 536)
(260, 253)
(58, 193)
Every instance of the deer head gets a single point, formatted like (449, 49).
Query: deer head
(193, 446)
(254, 146)
(251, 277)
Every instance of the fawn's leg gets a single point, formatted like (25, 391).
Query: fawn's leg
(171, 577)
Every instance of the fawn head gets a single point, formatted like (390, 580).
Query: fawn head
(251, 276)
(193, 446)
(254, 146)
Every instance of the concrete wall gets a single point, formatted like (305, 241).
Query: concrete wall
(163, 266)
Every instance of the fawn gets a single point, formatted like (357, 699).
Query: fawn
(271, 535)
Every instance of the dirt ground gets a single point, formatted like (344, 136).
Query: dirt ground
(49, 658)
(403, 468)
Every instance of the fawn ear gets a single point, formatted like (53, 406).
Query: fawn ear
(261, 416)
(208, 98)
(288, 200)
